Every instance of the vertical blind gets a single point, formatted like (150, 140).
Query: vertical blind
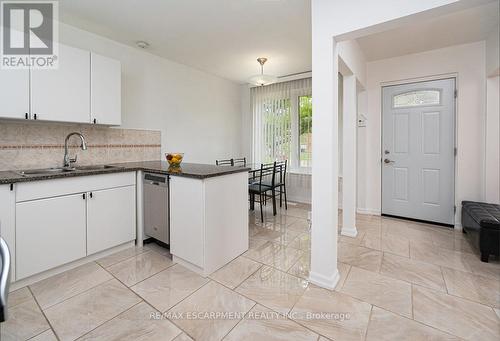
(272, 119)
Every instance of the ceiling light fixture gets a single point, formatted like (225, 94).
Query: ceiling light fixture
(142, 44)
(262, 79)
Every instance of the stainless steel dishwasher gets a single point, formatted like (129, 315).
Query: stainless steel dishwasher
(156, 207)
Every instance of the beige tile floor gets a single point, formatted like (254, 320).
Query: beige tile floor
(399, 280)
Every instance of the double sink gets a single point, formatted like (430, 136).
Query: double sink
(67, 162)
(59, 170)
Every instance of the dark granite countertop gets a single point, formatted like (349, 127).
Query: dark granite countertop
(190, 170)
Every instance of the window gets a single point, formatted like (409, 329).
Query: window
(417, 98)
(277, 136)
(305, 131)
(282, 124)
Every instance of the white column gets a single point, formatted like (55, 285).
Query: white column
(492, 168)
(324, 271)
(349, 156)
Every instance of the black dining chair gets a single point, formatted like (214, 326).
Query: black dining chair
(281, 181)
(240, 161)
(266, 174)
(224, 162)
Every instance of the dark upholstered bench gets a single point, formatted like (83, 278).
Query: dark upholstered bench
(481, 223)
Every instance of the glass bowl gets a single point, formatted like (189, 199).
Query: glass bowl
(174, 159)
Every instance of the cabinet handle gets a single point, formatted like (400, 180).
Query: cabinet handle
(95, 121)
(26, 116)
(91, 195)
(84, 196)
(34, 116)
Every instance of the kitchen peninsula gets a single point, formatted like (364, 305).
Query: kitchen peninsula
(208, 213)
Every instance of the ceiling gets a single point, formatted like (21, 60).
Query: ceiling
(461, 27)
(222, 37)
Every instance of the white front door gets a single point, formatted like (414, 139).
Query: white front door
(418, 148)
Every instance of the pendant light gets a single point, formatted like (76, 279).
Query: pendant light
(262, 79)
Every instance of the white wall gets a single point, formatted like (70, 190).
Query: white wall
(351, 54)
(197, 113)
(468, 62)
(246, 123)
(492, 162)
(343, 17)
(361, 161)
(493, 53)
(298, 187)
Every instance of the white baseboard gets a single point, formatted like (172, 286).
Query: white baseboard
(349, 232)
(299, 199)
(369, 211)
(329, 282)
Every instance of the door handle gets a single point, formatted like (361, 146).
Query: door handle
(388, 161)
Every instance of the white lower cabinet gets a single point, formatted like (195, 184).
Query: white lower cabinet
(49, 232)
(62, 220)
(111, 218)
(8, 222)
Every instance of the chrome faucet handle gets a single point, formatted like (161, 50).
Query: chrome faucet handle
(68, 162)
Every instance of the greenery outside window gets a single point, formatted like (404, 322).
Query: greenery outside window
(305, 131)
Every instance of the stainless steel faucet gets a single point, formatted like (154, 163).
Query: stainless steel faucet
(67, 160)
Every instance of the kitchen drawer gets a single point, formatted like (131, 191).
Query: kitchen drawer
(52, 188)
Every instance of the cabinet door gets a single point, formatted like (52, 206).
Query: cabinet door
(187, 224)
(14, 93)
(63, 94)
(49, 232)
(105, 90)
(111, 218)
(8, 222)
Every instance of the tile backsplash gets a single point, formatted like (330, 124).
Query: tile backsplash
(41, 145)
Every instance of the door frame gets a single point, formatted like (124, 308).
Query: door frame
(406, 81)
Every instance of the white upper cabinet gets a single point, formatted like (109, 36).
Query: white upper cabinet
(85, 88)
(14, 93)
(106, 90)
(63, 94)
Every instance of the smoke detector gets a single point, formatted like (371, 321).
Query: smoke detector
(142, 44)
